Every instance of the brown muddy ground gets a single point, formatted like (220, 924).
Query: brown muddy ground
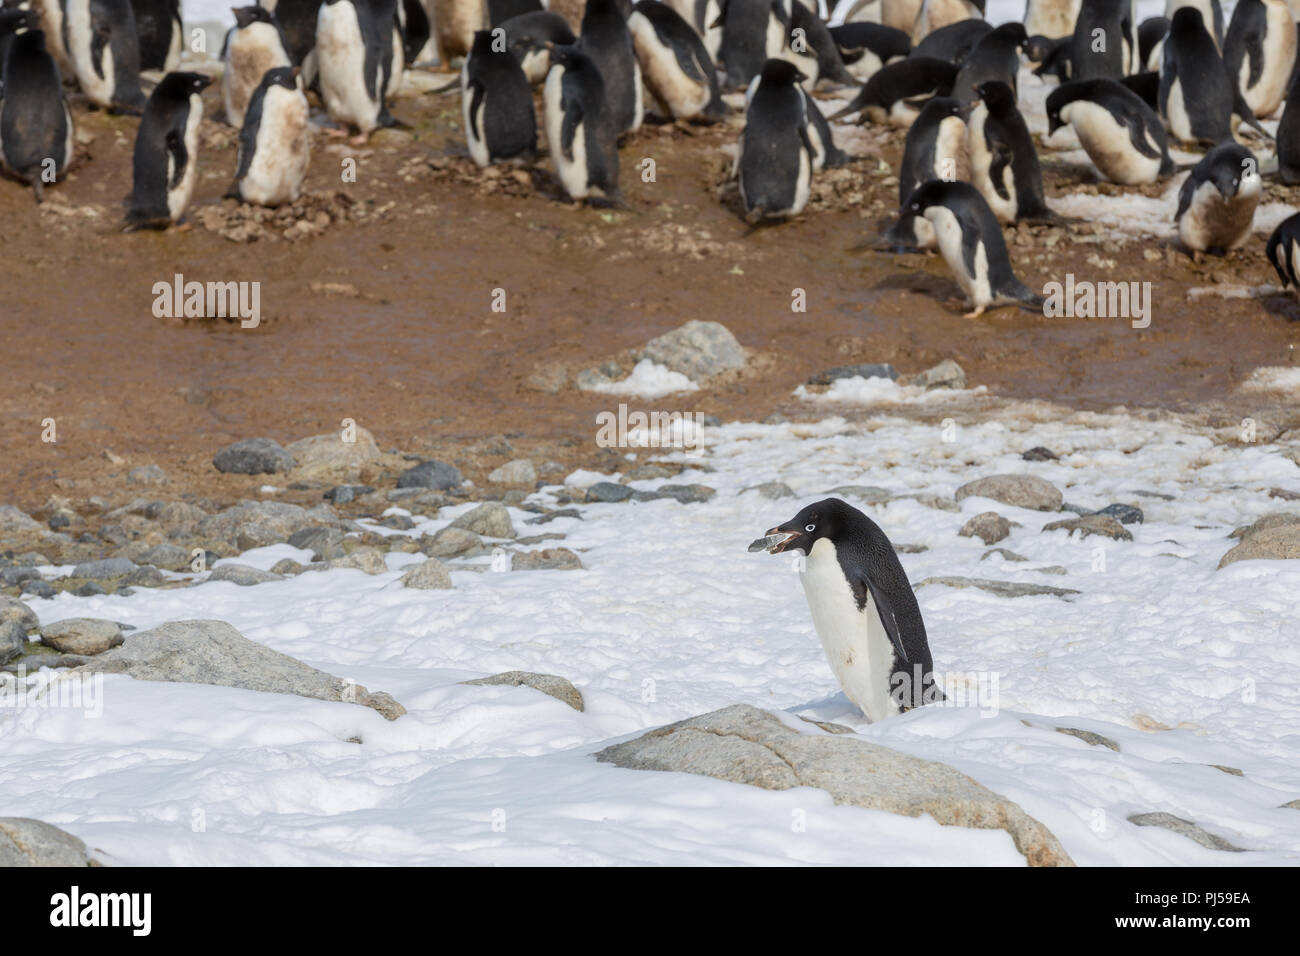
(378, 308)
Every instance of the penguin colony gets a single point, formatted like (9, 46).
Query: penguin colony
(934, 69)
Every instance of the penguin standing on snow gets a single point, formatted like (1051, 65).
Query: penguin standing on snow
(274, 142)
(775, 162)
(935, 149)
(496, 103)
(897, 92)
(970, 240)
(1260, 52)
(166, 152)
(105, 51)
(866, 47)
(1004, 163)
(605, 38)
(158, 24)
(354, 60)
(676, 66)
(862, 605)
(1121, 134)
(1284, 252)
(580, 132)
(36, 131)
(253, 45)
(1216, 204)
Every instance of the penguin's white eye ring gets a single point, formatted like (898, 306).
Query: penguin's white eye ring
(810, 527)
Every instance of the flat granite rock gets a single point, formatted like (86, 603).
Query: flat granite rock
(28, 842)
(744, 744)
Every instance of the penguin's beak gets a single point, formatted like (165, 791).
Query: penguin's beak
(778, 540)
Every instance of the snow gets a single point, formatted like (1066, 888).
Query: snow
(673, 618)
(648, 380)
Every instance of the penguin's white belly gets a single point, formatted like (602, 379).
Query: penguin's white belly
(179, 197)
(1212, 222)
(947, 234)
(856, 644)
(535, 64)
(1180, 124)
(572, 172)
(1051, 18)
(682, 96)
(280, 159)
(1279, 52)
(340, 61)
(950, 162)
(865, 66)
(98, 89)
(803, 185)
(173, 58)
(249, 54)
(1107, 143)
(981, 161)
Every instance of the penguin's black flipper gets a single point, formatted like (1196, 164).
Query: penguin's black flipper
(569, 128)
(179, 155)
(1243, 112)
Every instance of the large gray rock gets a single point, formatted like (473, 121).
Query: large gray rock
(12, 521)
(517, 472)
(13, 640)
(255, 524)
(989, 526)
(548, 559)
(743, 744)
(1272, 538)
(490, 519)
(947, 374)
(1185, 828)
(1087, 525)
(12, 609)
(367, 559)
(242, 574)
(450, 542)
(82, 635)
(1020, 491)
(253, 456)
(1000, 588)
(428, 575)
(104, 569)
(557, 687)
(213, 652)
(699, 350)
(329, 458)
(437, 475)
(27, 842)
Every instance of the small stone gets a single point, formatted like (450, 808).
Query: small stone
(451, 542)
(557, 687)
(1000, 588)
(324, 543)
(1124, 514)
(869, 370)
(12, 609)
(989, 526)
(397, 522)
(1020, 491)
(1004, 554)
(608, 491)
(947, 374)
(437, 475)
(490, 519)
(1278, 542)
(430, 574)
(549, 379)
(342, 494)
(253, 456)
(1088, 525)
(287, 566)
(1039, 453)
(772, 490)
(685, 494)
(86, 636)
(1185, 828)
(367, 559)
(1088, 737)
(242, 575)
(557, 513)
(549, 559)
(147, 475)
(167, 556)
(699, 350)
(145, 576)
(13, 640)
(104, 569)
(517, 472)
(38, 588)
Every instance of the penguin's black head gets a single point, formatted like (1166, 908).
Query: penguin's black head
(829, 518)
(181, 86)
(1015, 30)
(777, 72)
(244, 16)
(286, 76)
(12, 21)
(995, 94)
(1230, 165)
(565, 55)
(1186, 19)
(1037, 47)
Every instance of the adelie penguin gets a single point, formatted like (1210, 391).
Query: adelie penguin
(1288, 137)
(935, 149)
(863, 608)
(676, 66)
(866, 47)
(297, 20)
(1260, 52)
(102, 43)
(1004, 162)
(166, 152)
(274, 142)
(936, 14)
(13, 22)
(36, 131)
(775, 161)
(897, 92)
(496, 103)
(1284, 253)
(580, 132)
(995, 57)
(158, 23)
(354, 57)
(955, 42)
(1102, 45)
(606, 39)
(1216, 204)
(1121, 134)
(752, 32)
(253, 45)
(812, 48)
(1198, 98)
(970, 241)
(530, 37)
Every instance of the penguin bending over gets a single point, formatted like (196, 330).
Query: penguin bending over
(1004, 163)
(814, 50)
(866, 47)
(775, 160)
(1284, 252)
(954, 42)
(970, 240)
(101, 40)
(1216, 204)
(897, 92)
(1121, 134)
(496, 103)
(253, 46)
(580, 132)
(1260, 52)
(530, 36)
(37, 136)
(676, 66)
(166, 152)
(274, 142)
(863, 608)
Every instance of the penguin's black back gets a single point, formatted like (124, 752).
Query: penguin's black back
(154, 21)
(885, 42)
(499, 11)
(165, 116)
(509, 121)
(297, 19)
(1112, 17)
(33, 121)
(775, 135)
(953, 43)
(1192, 59)
(605, 38)
(917, 166)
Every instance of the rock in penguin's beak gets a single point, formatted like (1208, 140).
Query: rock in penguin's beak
(776, 541)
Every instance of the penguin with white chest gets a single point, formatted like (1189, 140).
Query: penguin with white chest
(866, 47)
(104, 48)
(1198, 97)
(1216, 204)
(676, 66)
(775, 161)
(863, 608)
(935, 149)
(1004, 162)
(1284, 252)
(580, 132)
(970, 240)
(496, 103)
(36, 132)
(354, 60)
(1121, 134)
(274, 142)
(897, 92)
(1260, 52)
(253, 45)
(166, 152)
